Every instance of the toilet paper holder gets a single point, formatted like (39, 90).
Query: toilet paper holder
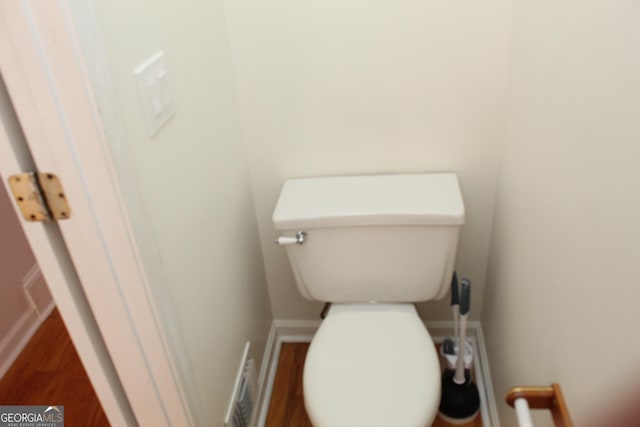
(539, 397)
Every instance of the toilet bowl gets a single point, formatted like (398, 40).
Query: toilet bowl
(372, 365)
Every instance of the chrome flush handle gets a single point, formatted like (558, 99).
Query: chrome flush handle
(299, 239)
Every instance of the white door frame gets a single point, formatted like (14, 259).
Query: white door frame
(49, 89)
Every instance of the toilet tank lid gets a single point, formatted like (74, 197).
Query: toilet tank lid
(402, 199)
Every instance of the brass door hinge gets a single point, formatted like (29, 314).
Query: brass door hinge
(39, 196)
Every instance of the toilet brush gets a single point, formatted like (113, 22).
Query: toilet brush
(449, 344)
(460, 401)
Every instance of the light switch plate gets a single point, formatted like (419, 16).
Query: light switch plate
(154, 90)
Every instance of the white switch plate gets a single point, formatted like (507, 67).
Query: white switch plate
(152, 80)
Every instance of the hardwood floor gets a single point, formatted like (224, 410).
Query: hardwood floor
(286, 408)
(49, 372)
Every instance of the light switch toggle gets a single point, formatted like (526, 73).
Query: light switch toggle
(154, 91)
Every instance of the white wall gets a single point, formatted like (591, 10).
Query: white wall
(188, 188)
(16, 260)
(562, 291)
(361, 87)
(25, 300)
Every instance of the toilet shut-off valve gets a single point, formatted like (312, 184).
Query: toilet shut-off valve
(299, 239)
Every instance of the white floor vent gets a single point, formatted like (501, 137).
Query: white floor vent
(243, 399)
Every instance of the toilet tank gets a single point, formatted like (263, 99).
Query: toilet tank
(383, 238)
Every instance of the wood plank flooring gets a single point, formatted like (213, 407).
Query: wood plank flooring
(286, 408)
(49, 372)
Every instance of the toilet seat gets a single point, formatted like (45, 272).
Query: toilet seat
(372, 365)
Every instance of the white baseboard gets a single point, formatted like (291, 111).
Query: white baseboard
(37, 292)
(296, 330)
(268, 369)
(285, 331)
(17, 338)
(483, 361)
(27, 324)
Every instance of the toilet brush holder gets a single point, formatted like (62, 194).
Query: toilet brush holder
(449, 356)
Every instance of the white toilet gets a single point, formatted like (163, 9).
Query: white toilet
(371, 246)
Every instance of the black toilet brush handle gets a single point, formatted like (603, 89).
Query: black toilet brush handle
(465, 297)
(455, 291)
